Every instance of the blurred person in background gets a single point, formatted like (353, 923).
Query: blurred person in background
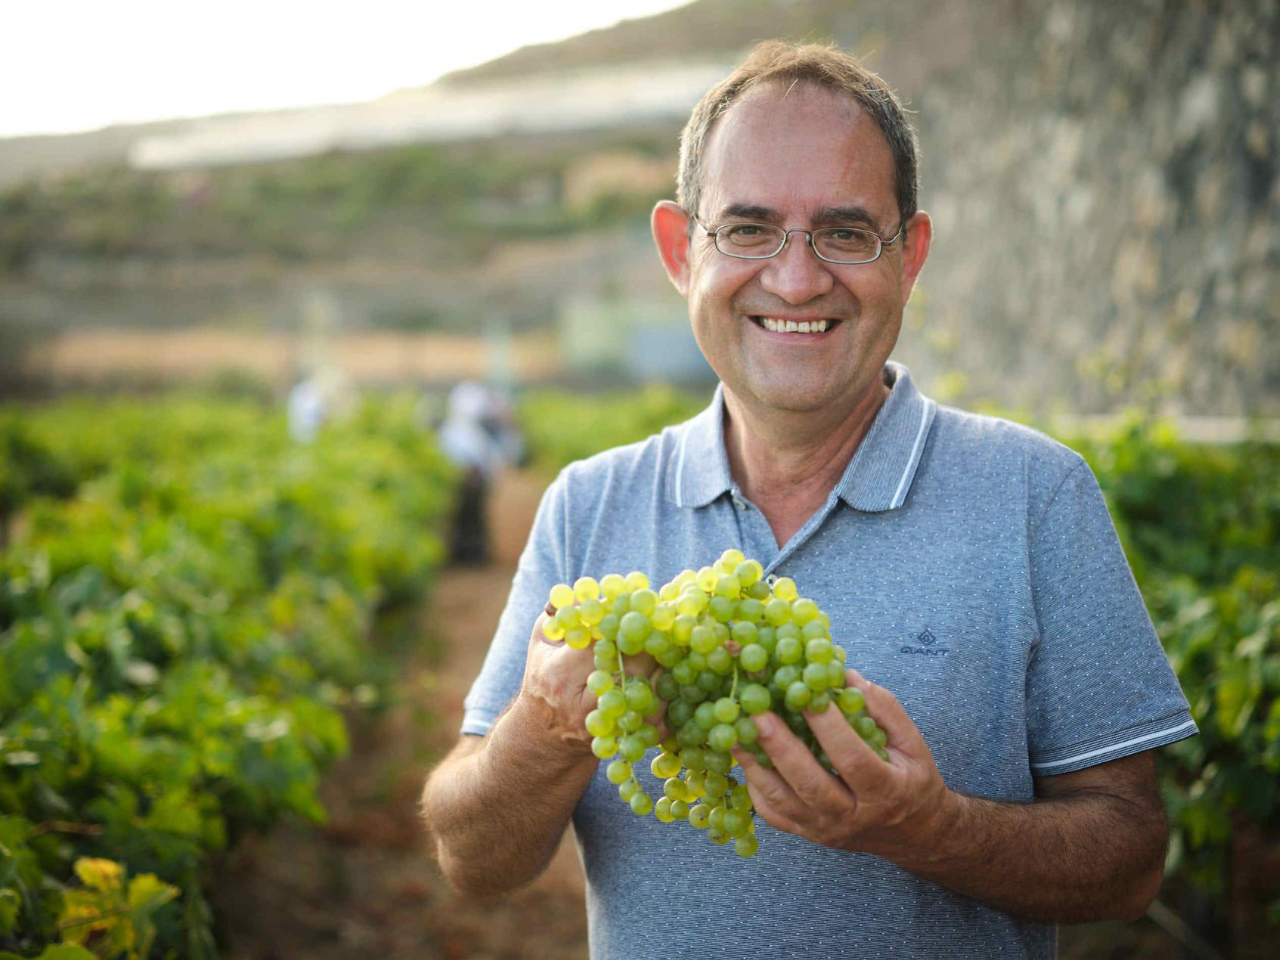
(326, 394)
(479, 434)
(968, 564)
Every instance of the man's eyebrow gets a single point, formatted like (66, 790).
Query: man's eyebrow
(848, 214)
(749, 211)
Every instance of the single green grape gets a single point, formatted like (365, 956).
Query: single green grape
(640, 696)
(716, 820)
(755, 698)
(644, 601)
(815, 676)
(618, 771)
(599, 681)
(679, 809)
(747, 732)
(732, 558)
(735, 822)
(667, 687)
(726, 709)
(718, 761)
(577, 638)
(665, 765)
(630, 721)
(740, 798)
(723, 736)
(718, 836)
(728, 586)
(702, 639)
(803, 610)
(722, 608)
(635, 580)
(562, 596)
(851, 700)
(705, 715)
(743, 631)
(746, 845)
(631, 748)
(748, 572)
(777, 611)
(641, 804)
(720, 660)
(820, 702)
(663, 617)
(612, 704)
(798, 696)
(784, 588)
(599, 725)
(568, 617)
(693, 759)
(788, 650)
(700, 816)
(716, 784)
(611, 585)
(604, 747)
(753, 658)
(662, 810)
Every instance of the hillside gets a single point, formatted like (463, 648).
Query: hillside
(1104, 179)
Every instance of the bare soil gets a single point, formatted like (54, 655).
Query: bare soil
(366, 884)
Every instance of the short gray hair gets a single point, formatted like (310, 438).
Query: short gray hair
(777, 61)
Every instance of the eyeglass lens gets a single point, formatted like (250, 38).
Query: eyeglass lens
(847, 244)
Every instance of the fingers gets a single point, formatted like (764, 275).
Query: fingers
(771, 796)
(884, 708)
(793, 762)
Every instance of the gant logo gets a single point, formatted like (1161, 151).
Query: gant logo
(925, 645)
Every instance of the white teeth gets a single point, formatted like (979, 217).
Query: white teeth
(791, 326)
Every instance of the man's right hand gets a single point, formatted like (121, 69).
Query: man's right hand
(555, 683)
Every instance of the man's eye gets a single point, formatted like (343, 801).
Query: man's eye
(747, 235)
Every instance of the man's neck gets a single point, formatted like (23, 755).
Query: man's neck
(787, 463)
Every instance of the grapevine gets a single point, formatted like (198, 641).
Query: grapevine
(732, 645)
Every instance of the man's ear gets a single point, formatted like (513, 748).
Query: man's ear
(671, 233)
(915, 250)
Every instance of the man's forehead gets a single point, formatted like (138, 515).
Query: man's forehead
(803, 143)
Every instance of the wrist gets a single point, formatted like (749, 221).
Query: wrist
(941, 835)
(546, 727)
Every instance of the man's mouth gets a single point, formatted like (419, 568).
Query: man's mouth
(782, 325)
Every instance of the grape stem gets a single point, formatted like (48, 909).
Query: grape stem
(733, 691)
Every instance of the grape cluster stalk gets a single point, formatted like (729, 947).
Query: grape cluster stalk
(732, 645)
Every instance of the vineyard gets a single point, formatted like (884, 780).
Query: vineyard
(185, 601)
(188, 600)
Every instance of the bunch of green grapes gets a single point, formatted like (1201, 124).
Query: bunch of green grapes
(732, 645)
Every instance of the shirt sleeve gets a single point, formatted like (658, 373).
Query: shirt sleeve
(1099, 686)
(542, 566)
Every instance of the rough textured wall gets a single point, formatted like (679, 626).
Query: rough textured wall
(1105, 180)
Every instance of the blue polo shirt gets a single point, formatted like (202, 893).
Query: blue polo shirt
(968, 564)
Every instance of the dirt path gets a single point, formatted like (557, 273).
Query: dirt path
(366, 885)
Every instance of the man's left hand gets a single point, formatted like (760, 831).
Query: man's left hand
(894, 809)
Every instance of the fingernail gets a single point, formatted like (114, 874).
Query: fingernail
(764, 724)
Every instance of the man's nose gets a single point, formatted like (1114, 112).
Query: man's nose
(796, 274)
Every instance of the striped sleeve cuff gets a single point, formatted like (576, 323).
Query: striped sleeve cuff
(1113, 746)
(477, 723)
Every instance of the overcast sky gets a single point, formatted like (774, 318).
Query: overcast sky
(77, 65)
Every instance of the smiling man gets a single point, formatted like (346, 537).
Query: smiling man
(968, 566)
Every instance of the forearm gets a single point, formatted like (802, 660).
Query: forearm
(1083, 857)
(498, 814)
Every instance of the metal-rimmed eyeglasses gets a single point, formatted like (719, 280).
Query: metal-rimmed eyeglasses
(745, 240)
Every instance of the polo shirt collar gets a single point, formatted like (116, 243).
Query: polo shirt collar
(878, 477)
